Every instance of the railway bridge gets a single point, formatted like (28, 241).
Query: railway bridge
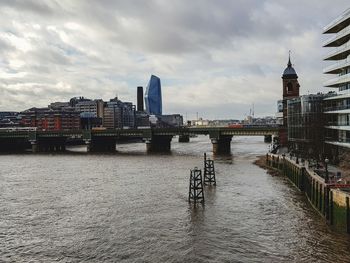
(156, 139)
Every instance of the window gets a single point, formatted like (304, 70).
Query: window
(289, 87)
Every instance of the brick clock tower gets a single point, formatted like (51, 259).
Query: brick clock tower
(290, 90)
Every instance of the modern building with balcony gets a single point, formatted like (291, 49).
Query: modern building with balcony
(337, 106)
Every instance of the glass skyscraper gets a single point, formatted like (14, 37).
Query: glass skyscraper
(153, 96)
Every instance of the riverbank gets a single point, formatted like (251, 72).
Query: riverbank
(261, 162)
(330, 199)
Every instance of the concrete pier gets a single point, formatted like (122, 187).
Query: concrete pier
(221, 145)
(101, 144)
(161, 143)
(13, 145)
(48, 145)
(268, 138)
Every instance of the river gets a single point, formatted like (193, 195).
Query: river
(132, 207)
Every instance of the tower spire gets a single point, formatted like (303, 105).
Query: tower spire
(289, 63)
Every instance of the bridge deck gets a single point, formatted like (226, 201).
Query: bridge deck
(142, 133)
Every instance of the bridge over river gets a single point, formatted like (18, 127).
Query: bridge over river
(156, 139)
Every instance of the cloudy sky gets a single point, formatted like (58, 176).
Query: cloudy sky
(216, 58)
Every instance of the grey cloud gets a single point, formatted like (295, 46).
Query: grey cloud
(38, 7)
(189, 44)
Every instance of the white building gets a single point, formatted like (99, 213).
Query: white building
(337, 107)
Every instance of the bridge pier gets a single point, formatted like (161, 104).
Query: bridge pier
(13, 145)
(56, 144)
(101, 144)
(221, 145)
(184, 138)
(159, 143)
(267, 138)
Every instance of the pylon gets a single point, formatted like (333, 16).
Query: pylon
(196, 193)
(209, 171)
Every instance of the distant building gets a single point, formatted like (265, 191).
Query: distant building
(172, 120)
(118, 114)
(279, 113)
(59, 105)
(51, 119)
(88, 120)
(153, 96)
(337, 107)
(142, 119)
(9, 119)
(92, 106)
(200, 122)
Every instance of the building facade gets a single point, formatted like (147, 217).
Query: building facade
(47, 119)
(90, 106)
(290, 87)
(118, 114)
(337, 107)
(153, 96)
(305, 125)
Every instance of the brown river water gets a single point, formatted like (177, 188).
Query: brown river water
(132, 207)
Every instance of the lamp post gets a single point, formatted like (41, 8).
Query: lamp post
(284, 163)
(326, 161)
(297, 159)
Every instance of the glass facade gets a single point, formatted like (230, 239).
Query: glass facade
(153, 96)
(305, 124)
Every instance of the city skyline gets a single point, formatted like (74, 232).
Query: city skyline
(220, 57)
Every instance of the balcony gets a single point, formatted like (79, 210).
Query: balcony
(343, 126)
(337, 67)
(345, 94)
(339, 53)
(338, 24)
(338, 142)
(338, 81)
(339, 39)
(337, 109)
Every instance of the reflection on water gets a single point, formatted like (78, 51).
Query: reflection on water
(133, 207)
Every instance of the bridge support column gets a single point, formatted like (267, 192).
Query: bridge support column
(222, 145)
(34, 146)
(159, 143)
(13, 144)
(267, 138)
(184, 138)
(101, 144)
(48, 145)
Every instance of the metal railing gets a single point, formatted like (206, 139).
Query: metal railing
(341, 140)
(336, 108)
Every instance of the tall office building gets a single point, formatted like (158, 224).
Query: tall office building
(153, 96)
(118, 114)
(337, 107)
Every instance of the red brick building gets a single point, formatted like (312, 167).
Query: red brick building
(290, 90)
(47, 119)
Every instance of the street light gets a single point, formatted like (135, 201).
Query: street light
(326, 161)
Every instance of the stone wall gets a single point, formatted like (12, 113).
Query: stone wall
(332, 203)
